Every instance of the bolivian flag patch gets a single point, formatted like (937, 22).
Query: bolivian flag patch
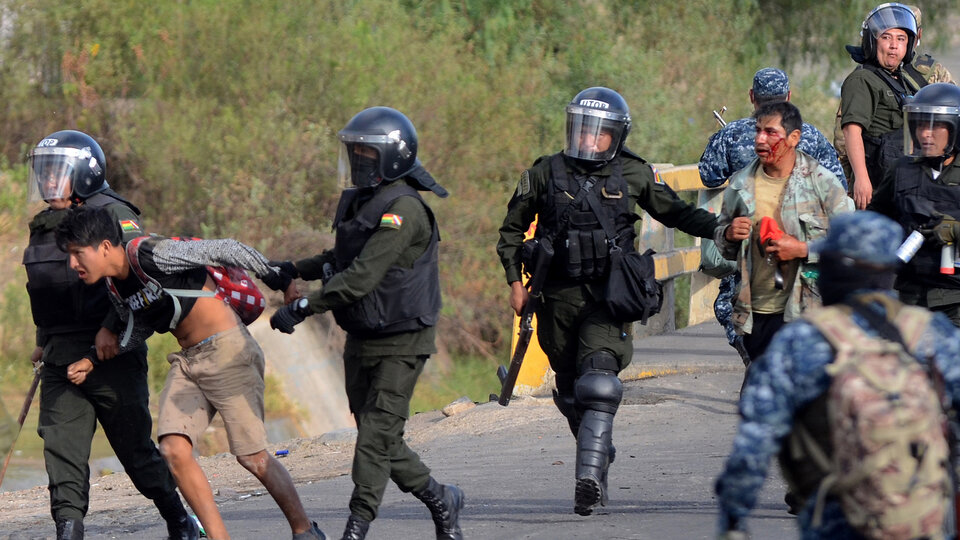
(128, 225)
(391, 221)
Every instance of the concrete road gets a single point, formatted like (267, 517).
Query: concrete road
(516, 464)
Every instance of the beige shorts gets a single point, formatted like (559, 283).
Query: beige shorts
(222, 373)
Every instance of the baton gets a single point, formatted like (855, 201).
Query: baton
(23, 416)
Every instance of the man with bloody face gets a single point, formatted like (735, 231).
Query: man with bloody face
(786, 191)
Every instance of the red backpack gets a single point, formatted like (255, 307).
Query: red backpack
(234, 286)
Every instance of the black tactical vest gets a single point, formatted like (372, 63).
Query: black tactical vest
(407, 299)
(583, 229)
(60, 302)
(881, 153)
(918, 198)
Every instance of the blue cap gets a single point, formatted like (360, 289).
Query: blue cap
(770, 82)
(863, 236)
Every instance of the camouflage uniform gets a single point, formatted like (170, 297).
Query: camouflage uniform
(811, 192)
(793, 374)
(731, 149)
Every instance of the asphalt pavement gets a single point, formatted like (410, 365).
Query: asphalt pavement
(516, 464)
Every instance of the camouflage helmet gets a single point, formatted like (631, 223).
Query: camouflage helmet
(863, 237)
(770, 84)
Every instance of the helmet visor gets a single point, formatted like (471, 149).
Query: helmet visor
(52, 173)
(358, 166)
(891, 15)
(593, 135)
(933, 131)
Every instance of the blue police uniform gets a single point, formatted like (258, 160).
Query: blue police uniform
(792, 374)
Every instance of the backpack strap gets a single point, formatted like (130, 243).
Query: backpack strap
(154, 286)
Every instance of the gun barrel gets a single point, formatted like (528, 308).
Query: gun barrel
(719, 116)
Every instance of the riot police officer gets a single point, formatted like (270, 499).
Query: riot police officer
(382, 284)
(584, 201)
(923, 194)
(68, 168)
(872, 97)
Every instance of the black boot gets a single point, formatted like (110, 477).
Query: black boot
(69, 529)
(604, 499)
(356, 528)
(180, 526)
(444, 502)
(593, 460)
(598, 393)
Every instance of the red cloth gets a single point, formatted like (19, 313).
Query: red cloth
(769, 230)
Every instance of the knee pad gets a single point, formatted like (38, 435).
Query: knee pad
(599, 391)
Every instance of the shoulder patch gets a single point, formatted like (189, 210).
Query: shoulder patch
(656, 176)
(391, 221)
(523, 186)
(128, 225)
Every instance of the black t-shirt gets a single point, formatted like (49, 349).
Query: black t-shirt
(148, 308)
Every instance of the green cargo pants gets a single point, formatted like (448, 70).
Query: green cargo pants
(379, 389)
(116, 395)
(572, 324)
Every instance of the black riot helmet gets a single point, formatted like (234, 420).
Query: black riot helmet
(933, 118)
(66, 165)
(598, 121)
(885, 17)
(379, 144)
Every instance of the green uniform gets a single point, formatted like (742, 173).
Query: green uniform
(869, 102)
(381, 371)
(573, 320)
(115, 393)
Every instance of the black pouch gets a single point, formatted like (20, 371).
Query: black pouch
(632, 292)
(574, 268)
(528, 253)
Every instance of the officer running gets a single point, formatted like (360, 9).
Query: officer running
(577, 196)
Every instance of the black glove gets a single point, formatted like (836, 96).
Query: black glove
(290, 315)
(947, 231)
(281, 280)
(278, 281)
(287, 267)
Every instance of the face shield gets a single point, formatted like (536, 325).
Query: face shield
(53, 172)
(358, 166)
(592, 134)
(891, 15)
(932, 130)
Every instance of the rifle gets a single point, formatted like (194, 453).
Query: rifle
(541, 263)
(23, 416)
(719, 116)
